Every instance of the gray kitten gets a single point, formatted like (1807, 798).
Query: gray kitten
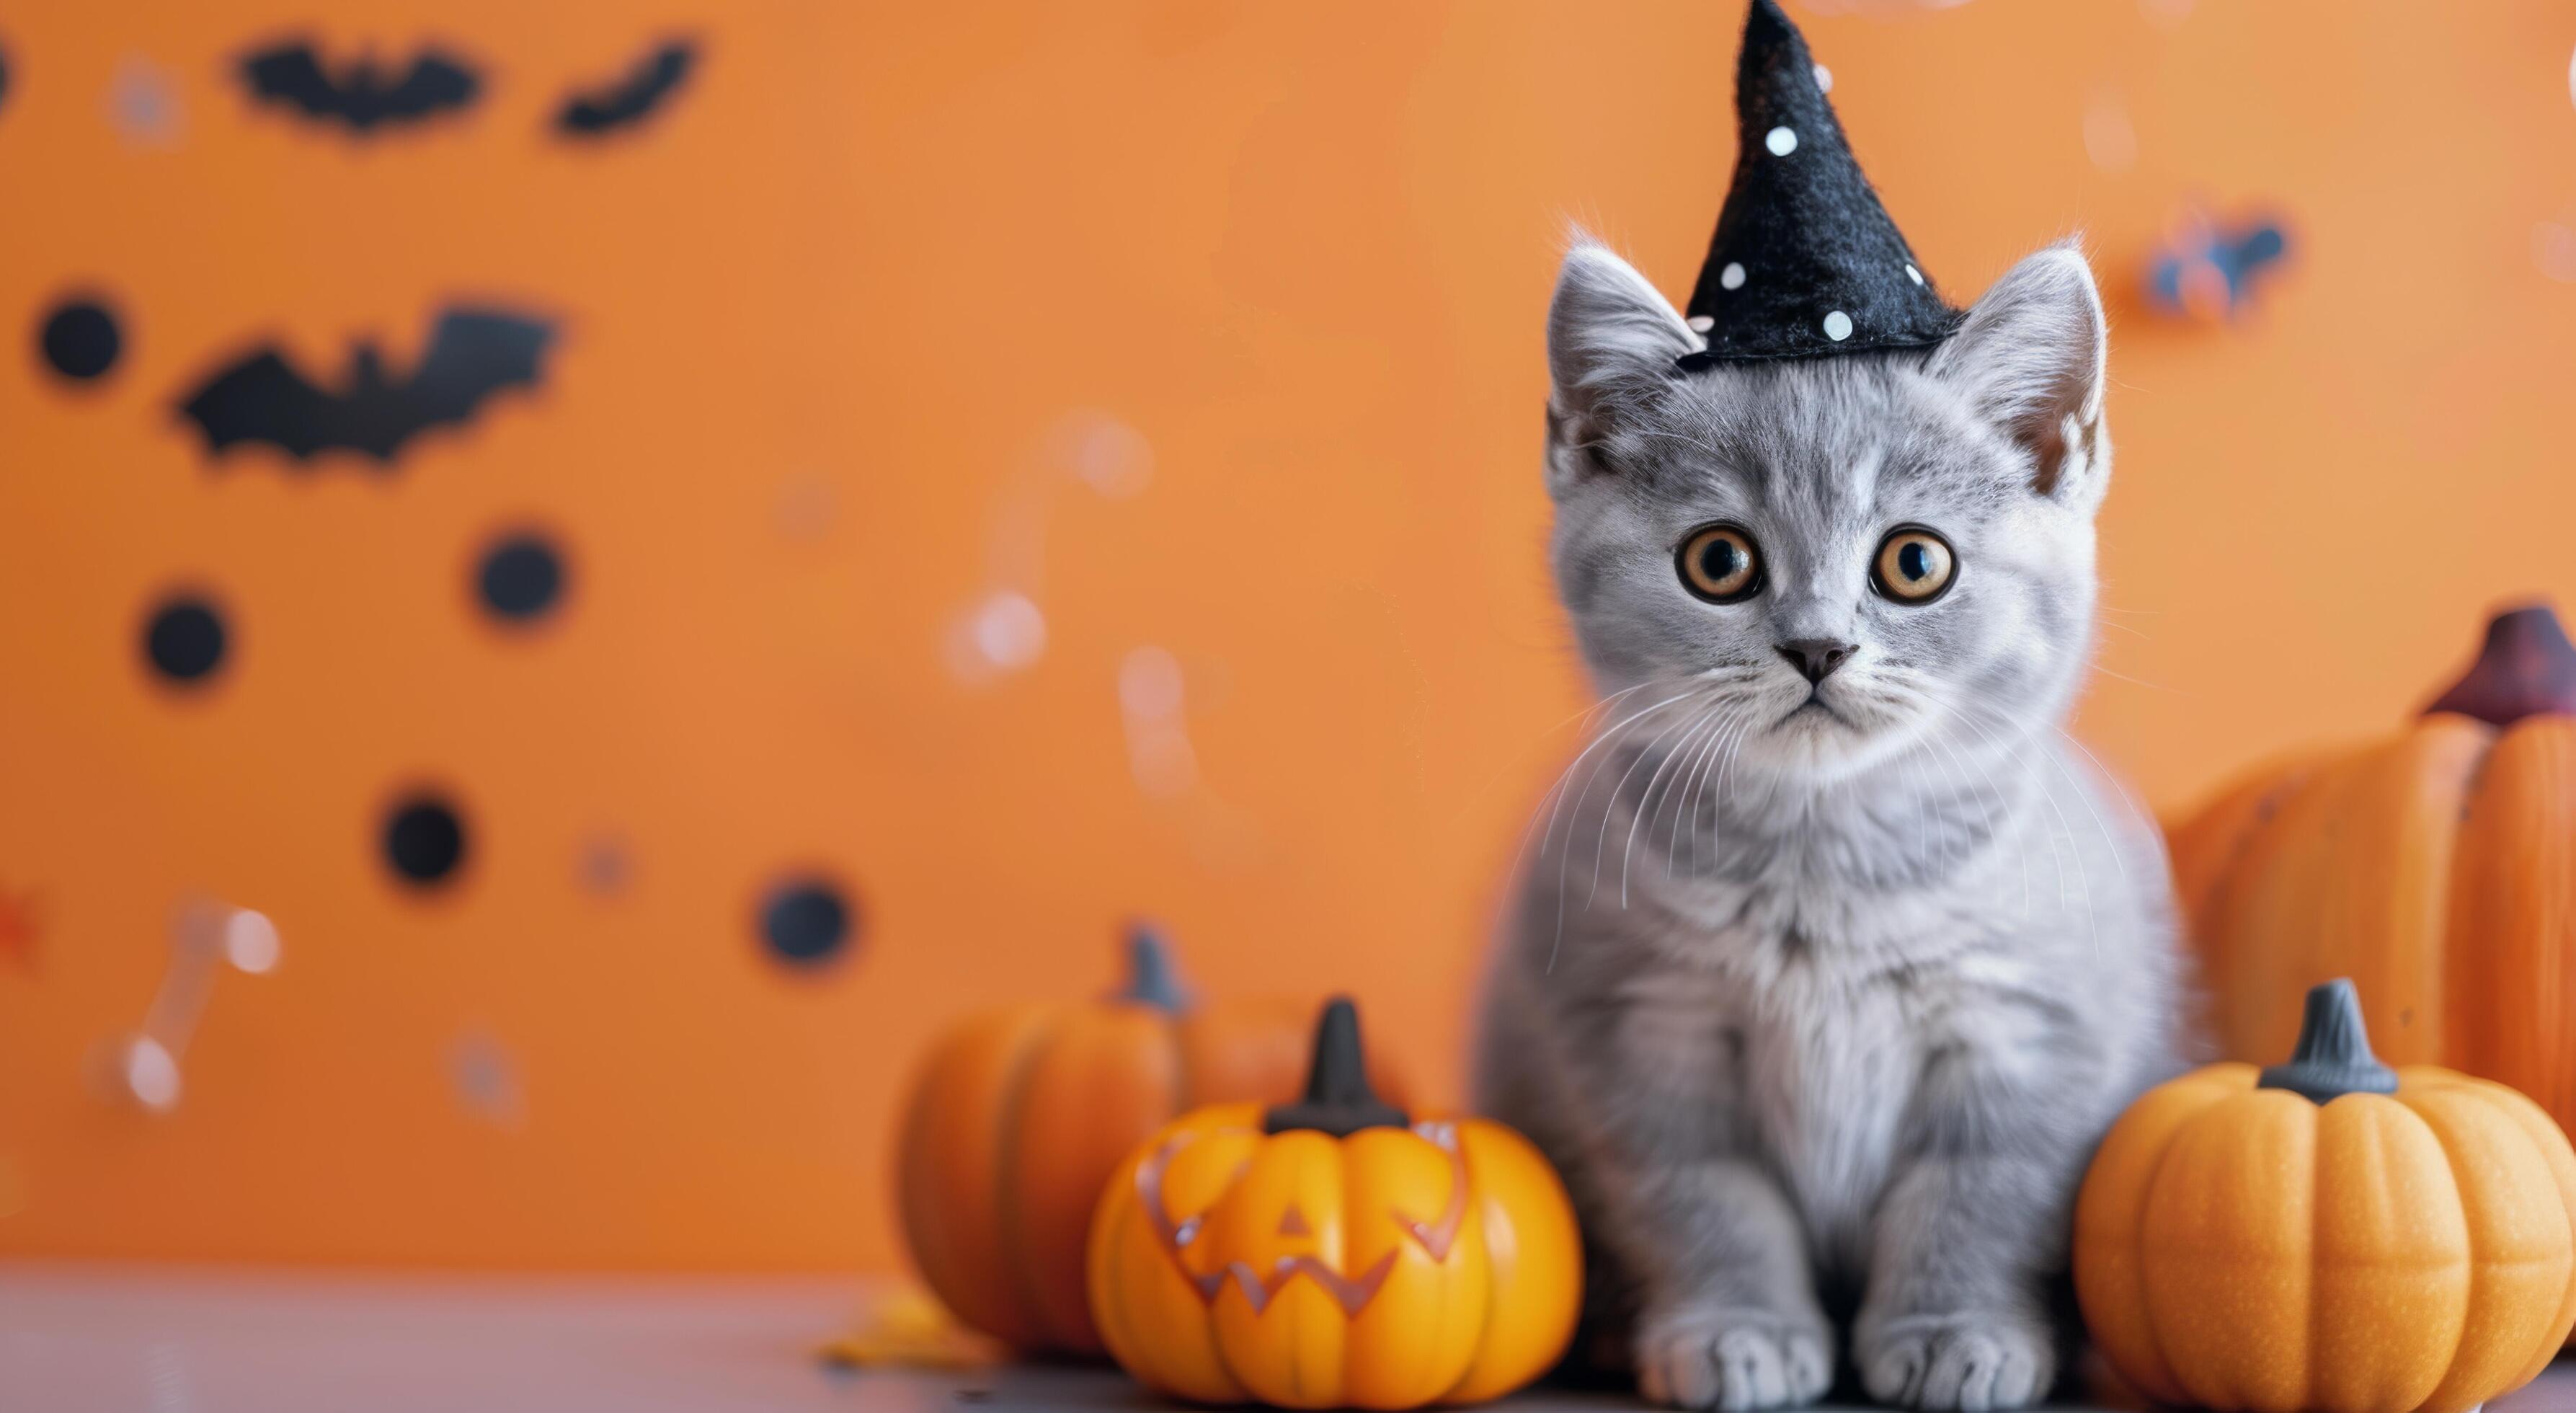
(1837, 956)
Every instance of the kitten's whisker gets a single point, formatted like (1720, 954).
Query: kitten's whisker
(2011, 751)
(2100, 826)
(2138, 681)
(1601, 838)
(1685, 803)
(1565, 776)
(1516, 756)
(2137, 807)
(1994, 829)
(1549, 838)
(2083, 874)
(2058, 764)
(1645, 799)
(1521, 852)
(1726, 763)
(1922, 819)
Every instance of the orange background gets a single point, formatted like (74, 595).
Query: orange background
(844, 325)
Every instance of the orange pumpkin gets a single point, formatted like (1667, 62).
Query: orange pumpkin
(1018, 1117)
(2329, 1234)
(1334, 1252)
(2437, 867)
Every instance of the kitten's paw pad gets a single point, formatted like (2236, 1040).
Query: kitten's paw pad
(1971, 1363)
(1733, 1360)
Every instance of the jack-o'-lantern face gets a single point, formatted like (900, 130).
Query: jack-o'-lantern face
(1251, 1178)
(1334, 1252)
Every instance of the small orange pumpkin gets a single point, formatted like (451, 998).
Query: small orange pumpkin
(1018, 1116)
(2436, 867)
(1334, 1252)
(2329, 1234)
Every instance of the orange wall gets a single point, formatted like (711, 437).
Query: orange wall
(832, 323)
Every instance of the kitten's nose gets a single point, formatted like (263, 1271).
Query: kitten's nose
(1816, 658)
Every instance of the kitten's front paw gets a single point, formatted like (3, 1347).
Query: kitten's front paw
(1732, 1359)
(1973, 1363)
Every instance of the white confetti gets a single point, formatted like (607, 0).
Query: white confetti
(152, 1074)
(1009, 630)
(250, 941)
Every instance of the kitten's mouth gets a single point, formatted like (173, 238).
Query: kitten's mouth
(1815, 702)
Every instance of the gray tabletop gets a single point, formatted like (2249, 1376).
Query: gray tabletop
(136, 1339)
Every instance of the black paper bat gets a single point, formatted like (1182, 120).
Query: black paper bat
(631, 97)
(472, 354)
(362, 96)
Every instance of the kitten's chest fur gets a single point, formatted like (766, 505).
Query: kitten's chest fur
(1809, 1044)
(1828, 995)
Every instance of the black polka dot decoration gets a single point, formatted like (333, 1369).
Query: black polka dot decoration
(807, 922)
(4, 75)
(184, 640)
(425, 842)
(520, 579)
(81, 339)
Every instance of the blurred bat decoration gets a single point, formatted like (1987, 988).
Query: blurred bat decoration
(472, 354)
(2206, 271)
(362, 96)
(631, 97)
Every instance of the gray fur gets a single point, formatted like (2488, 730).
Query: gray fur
(1808, 999)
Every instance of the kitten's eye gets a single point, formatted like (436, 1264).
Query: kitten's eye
(1720, 564)
(1914, 566)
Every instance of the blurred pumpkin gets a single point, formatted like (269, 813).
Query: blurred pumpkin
(2329, 1234)
(1018, 1116)
(1334, 1252)
(2436, 867)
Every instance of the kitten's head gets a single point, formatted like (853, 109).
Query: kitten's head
(1846, 556)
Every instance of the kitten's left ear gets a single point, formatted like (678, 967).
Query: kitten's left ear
(2031, 359)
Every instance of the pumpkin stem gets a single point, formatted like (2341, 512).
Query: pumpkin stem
(1152, 980)
(2333, 1056)
(2527, 668)
(1338, 1098)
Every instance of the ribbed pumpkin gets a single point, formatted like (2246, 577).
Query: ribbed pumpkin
(2436, 867)
(1018, 1117)
(2329, 1234)
(1335, 1252)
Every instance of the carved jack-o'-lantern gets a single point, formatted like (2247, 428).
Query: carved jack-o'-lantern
(1334, 1252)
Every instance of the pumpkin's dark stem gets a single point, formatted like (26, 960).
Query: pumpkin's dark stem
(1152, 980)
(2333, 1056)
(1338, 1098)
(2527, 668)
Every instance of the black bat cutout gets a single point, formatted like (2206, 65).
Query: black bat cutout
(631, 97)
(472, 354)
(362, 96)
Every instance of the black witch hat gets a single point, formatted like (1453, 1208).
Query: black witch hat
(1806, 262)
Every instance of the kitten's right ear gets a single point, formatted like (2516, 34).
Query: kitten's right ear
(2031, 357)
(1611, 341)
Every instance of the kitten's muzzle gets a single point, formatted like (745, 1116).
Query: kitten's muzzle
(1816, 658)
